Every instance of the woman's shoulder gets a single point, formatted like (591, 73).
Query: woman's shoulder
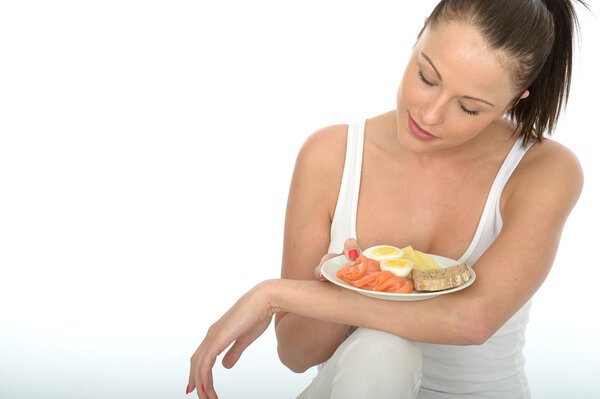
(324, 151)
(318, 171)
(551, 159)
(548, 169)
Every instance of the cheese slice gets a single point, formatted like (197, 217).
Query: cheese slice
(420, 260)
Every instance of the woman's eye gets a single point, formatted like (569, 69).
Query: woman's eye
(427, 82)
(468, 111)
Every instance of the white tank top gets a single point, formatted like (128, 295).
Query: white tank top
(492, 370)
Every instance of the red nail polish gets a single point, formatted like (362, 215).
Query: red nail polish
(202, 387)
(353, 254)
(187, 389)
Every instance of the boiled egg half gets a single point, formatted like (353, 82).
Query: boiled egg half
(383, 252)
(398, 266)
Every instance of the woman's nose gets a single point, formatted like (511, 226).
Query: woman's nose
(432, 112)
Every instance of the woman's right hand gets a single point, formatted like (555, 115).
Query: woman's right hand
(351, 250)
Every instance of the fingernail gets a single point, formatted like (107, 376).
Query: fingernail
(202, 387)
(187, 389)
(353, 254)
(322, 278)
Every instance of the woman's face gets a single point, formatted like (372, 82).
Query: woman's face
(452, 89)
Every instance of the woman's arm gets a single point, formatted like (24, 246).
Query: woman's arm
(302, 341)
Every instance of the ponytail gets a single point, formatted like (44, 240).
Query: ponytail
(549, 91)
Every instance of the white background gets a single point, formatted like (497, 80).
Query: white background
(146, 149)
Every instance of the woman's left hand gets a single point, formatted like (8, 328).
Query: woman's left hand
(242, 324)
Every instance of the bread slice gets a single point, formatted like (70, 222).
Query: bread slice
(441, 279)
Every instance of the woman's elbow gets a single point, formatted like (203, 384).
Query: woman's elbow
(477, 335)
(478, 327)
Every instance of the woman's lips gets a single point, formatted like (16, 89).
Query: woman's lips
(417, 131)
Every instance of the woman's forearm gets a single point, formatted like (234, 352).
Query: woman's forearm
(440, 320)
(304, 342)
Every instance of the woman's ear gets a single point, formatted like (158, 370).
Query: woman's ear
(511, 107)
(524, 95)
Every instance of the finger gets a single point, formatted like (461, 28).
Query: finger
(196, 364)
(201, 372)
(324, 259)
(351, 249)
(191, 379)
(233, 354)
(208, 389)
(191, 385)
(205, 388)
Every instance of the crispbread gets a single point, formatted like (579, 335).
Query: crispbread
(440, 279)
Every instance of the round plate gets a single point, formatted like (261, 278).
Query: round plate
(330, 268)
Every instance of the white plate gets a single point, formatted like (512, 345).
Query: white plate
(330, 268)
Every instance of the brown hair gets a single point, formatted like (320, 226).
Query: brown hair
(538, 37)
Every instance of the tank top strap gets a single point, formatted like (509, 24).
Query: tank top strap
(490, 222)
(343, 225)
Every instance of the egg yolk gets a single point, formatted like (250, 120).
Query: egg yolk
(385, 251)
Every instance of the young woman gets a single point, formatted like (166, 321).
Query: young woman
(461, 168)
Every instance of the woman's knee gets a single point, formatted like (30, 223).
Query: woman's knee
(380, 362)
(373, 344)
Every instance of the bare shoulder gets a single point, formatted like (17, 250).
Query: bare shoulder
(323, 153)
(549, 173)
(318, 172)
(552, 163)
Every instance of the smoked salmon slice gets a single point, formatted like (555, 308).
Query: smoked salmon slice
(365, 273)
(395, 284)
(372, 280)
(355, 270)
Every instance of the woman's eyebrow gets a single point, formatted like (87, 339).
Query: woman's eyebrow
(479, 99)
(441, 80)
(433, 66)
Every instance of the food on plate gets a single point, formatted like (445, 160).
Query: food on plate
(385, 281)
(365, 273)
(382, 252)
(386, 268)
(420, 260)
(400, 267)
(355, 270)
(440, 279)
(371, 280)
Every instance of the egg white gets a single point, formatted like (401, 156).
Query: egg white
(398, 270)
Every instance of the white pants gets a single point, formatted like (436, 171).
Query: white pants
(369, 364)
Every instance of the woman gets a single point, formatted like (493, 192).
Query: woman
(461, 169)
